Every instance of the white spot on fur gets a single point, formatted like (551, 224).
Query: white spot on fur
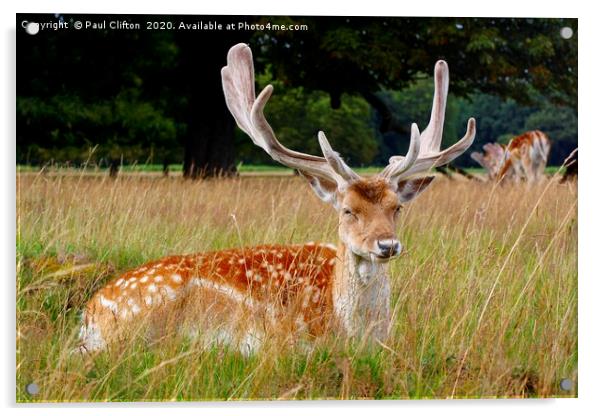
(152, 288)
(109, 304)
(249, 273)
(241, 261)
(300, 323)
(148, 300)
(332, 261)
(144, 279)
(169, 292)
(176, 278)
(316, 296)
(119, 282)
(329, 245)
(306, 295)
(158, 278)
(133, 286)
(258, 278)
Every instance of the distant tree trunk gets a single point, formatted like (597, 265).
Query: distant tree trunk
(209, 143)
(209, 139)
(165, 167)
(114, 167)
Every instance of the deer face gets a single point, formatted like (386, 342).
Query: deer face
(368, 211)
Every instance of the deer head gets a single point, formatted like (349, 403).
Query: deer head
(368, 208)
(492, 159)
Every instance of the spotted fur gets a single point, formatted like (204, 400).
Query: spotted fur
(270, 278)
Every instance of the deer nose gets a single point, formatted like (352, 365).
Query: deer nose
(389, 247)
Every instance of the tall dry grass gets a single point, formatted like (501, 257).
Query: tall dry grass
(484, 298)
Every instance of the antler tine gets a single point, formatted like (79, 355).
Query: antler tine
(430, 155)
(238, 79)
(431, 136)
(402, 164)
(335, 161)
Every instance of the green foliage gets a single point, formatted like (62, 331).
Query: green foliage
(297, 114)
(413, 105)
(560, 123)
(92, 91)
(125, 126)
(504, 56)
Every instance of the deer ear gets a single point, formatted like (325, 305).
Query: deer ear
(325, 189)
(410, 188)
(478, 157)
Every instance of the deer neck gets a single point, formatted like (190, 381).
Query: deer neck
(361, 295)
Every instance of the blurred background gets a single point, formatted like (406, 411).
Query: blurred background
(111, 99)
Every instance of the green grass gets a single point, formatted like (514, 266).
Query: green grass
(242, 168)
(484, 300)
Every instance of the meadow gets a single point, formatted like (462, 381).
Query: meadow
(484, 297)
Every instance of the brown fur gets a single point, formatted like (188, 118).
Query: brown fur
(373, 190)
(283, 276)
(519, 155)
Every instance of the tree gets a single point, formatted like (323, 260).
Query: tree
(361, 55)
(173, 76)
(560, 124)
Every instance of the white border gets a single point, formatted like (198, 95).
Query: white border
(590, 142)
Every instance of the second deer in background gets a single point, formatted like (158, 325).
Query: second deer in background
(525, 157)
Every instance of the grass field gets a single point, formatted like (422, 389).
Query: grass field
(484, 299)
(269, 170)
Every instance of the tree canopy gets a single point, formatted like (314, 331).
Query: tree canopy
(149, 95)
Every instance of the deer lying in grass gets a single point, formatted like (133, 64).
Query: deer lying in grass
(525, 157)
(238, 296)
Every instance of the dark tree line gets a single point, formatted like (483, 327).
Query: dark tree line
(156, 95)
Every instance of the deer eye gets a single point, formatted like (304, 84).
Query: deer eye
(348, 212)
(398, 209)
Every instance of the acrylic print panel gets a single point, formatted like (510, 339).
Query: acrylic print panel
(187, 232)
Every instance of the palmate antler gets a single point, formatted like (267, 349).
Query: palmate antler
(424, 152)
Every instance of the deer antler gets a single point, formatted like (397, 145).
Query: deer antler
(424, 152)
(238, 79)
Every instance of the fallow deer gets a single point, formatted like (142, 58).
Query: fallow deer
(525, 157)
(238, 296)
